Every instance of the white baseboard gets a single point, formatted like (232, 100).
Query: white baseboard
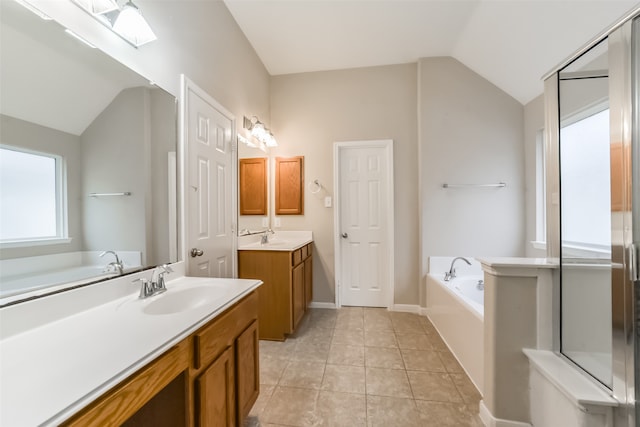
(406, 308)
(315, 304)
(490, 421)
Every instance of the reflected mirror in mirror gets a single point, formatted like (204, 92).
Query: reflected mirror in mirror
(88, 162)
(586, 213)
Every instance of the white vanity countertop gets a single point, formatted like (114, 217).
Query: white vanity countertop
(278, 241)
(51, 371)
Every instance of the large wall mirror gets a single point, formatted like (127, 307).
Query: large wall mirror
(88, 151)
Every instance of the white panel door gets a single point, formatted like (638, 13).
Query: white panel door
(364, 204)
(209, 198)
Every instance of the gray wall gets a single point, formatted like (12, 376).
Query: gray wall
(310, 112)
(29, 135)
(471, 132)
(115, 158)
(533, 122)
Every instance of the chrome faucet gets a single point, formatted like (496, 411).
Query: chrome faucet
(452, 271)
(265, 234)
(117, 265)
(156, 285)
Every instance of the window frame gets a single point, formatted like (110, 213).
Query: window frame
(61, 209)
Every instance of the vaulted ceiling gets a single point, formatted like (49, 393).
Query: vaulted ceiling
(511, 43)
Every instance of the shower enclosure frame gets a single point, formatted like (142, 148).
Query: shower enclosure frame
(624, 102)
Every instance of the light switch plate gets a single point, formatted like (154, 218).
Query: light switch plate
(276, 222)
(327, 202)
(265, 221)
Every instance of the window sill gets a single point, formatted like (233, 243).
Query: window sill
(39, 242)
(539, 245)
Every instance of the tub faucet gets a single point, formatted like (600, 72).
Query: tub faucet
(452, 271)
(117, 265)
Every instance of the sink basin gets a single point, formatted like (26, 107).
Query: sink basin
(177, 300)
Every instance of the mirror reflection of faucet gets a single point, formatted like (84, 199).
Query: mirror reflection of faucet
(115, 266)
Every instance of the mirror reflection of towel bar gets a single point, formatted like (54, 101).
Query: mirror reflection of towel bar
(126, 193)
(498, 185)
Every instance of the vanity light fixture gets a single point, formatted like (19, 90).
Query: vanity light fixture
(96, 7)
(126, 20)
(259, 131)
(131, 25)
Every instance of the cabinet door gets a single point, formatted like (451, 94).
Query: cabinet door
(216, 393)
(253, 186)
(308, 281)
(247, 370)
(298, 293)
(289, 186)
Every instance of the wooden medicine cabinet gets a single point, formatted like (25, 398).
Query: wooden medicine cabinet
(253, 186)
(289, 186)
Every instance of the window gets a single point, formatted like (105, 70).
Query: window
(586, 189)
(32, 197)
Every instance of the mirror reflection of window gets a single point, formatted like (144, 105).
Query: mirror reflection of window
(30, 199)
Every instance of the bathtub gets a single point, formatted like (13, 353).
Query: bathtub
(31, 275)
(456, 309)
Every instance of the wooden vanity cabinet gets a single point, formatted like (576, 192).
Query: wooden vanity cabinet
(286, 291)
(209, 379)
(226, 366)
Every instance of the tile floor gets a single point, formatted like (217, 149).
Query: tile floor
(363, 367)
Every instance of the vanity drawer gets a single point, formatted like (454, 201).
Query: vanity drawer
(296, 257)
(214, 338)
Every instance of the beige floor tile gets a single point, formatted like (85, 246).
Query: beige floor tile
(316, 335)
(341, 409)
(324, 320)
(438, 343)
(378, 357)
(433, 386)
(414, 341)
(422, 360)
(282, 349)
(342, 354)
(467, 390)
(348, 379)
(263, 399)
(450, 362)
(408, 326)
(377, 338)
(378, 324)
(348, 337)
(387, 382)
(311, 352)
(391, 411)
(271, 369)
(291, 406)
(442, 414)
(348, 323)
(302, 374)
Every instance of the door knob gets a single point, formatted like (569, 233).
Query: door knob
(196, 252)
(345, 235)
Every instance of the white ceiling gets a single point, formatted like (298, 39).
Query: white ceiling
(511, 43)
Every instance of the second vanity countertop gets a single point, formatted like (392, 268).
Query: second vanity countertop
(278, 241)
(52, 371)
